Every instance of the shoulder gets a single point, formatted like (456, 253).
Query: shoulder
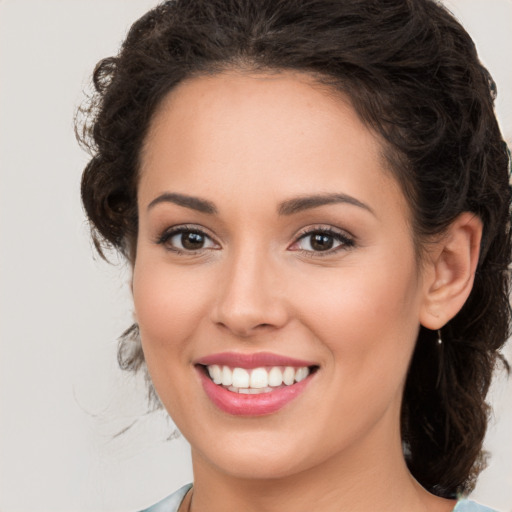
(171, 503)
(471, 506)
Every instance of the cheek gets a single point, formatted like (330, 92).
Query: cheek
(367, 324)
(169, 303)
(367, 317)
(169, 306)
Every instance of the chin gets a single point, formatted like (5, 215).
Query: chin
(255, 464)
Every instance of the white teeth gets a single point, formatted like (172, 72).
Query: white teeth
(289, 375)
(227, 376)
(275, 377)
(258, 380)
(249, 391)
(240, 378)
(301, 374)
(215, 373)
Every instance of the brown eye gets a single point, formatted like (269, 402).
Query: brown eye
(321, 242)
(191, 241)
(187, 240)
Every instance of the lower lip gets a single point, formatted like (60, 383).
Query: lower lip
(240, 404)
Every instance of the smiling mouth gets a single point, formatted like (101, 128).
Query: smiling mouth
(254, 384)
(256, 381)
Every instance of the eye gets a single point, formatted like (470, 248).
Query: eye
(322, 241)
(183, 239)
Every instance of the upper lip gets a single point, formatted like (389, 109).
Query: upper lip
(255, 360)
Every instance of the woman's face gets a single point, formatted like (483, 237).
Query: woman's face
(272, 236)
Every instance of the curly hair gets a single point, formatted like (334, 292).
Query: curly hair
(413, 76)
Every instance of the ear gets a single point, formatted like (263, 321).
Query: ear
(450, 272)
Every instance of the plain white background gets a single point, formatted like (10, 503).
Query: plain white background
(62, 398)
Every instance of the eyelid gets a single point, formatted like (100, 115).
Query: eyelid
(327, 228)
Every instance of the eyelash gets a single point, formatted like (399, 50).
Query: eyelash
(167, 235)
(345, 241)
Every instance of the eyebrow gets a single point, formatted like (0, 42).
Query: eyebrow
(288, 207)
(194, 203)
(299, 204)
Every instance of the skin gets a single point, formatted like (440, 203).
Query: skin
(247, 143)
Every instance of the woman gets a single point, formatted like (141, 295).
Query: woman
(314, 199)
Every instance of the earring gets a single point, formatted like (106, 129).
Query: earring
(439, 339)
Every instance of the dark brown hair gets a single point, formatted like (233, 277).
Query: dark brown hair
(413, 75)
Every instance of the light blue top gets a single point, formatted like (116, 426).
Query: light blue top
(173, 502)
(471, 506)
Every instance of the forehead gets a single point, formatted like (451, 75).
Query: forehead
(280, 134)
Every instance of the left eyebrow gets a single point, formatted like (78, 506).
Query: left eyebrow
(301, 203)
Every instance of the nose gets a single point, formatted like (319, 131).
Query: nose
(250, 296)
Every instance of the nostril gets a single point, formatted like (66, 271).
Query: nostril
(244, 329)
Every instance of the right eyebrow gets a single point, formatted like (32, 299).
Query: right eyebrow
(192, 202)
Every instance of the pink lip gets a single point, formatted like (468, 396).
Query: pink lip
(249, 361)
(240, 404)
